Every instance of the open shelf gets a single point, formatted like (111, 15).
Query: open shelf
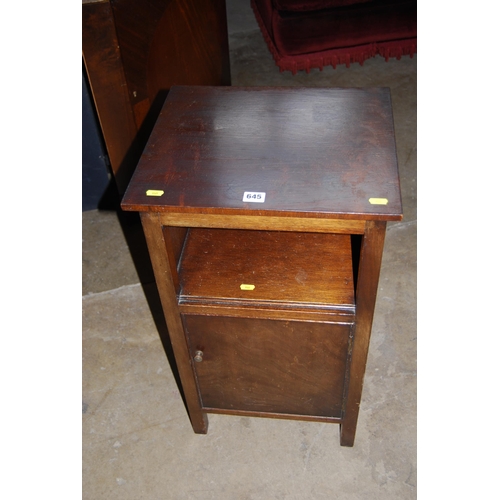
(277, 269)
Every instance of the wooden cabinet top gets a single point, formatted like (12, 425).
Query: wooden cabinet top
(314, 152)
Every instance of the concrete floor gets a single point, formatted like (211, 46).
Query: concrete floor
(137, 438)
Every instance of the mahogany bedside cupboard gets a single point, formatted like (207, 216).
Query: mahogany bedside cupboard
(265, 211)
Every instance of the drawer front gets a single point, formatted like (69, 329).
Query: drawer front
(270, 366)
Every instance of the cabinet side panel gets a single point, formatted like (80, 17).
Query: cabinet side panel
(174, 238)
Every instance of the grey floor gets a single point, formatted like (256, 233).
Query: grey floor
(137, 439)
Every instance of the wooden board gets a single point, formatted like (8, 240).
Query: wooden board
(320, 152)
(270, 366)
(267, 269)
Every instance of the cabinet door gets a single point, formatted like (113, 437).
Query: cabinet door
(269, 366)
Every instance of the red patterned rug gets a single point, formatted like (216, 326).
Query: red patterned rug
(305, 34)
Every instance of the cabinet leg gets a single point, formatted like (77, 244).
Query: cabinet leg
(161, 251)
(347, 434)
(199, 423)
(368, 275)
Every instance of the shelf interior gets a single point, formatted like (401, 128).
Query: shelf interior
(266, 269)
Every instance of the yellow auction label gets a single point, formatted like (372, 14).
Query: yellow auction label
(378, 201)
(154, 192)
(247, 287)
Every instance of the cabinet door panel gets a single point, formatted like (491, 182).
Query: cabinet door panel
(273, 366)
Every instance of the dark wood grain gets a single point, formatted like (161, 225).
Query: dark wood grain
(296, 345)
(171, 42)
(134, 51)
(102, 58)
(372, 247)
(270, 366)
(287, 269)
(315, 151)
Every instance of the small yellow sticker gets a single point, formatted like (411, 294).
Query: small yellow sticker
(247, 287)
(154, 192)
(378, 201)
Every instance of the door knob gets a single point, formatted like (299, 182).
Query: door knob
(198, 356)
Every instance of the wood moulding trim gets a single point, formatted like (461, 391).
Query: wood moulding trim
(271, 223)
(334, 317)
(265, 305)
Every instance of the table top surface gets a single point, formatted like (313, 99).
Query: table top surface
(307, 152)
